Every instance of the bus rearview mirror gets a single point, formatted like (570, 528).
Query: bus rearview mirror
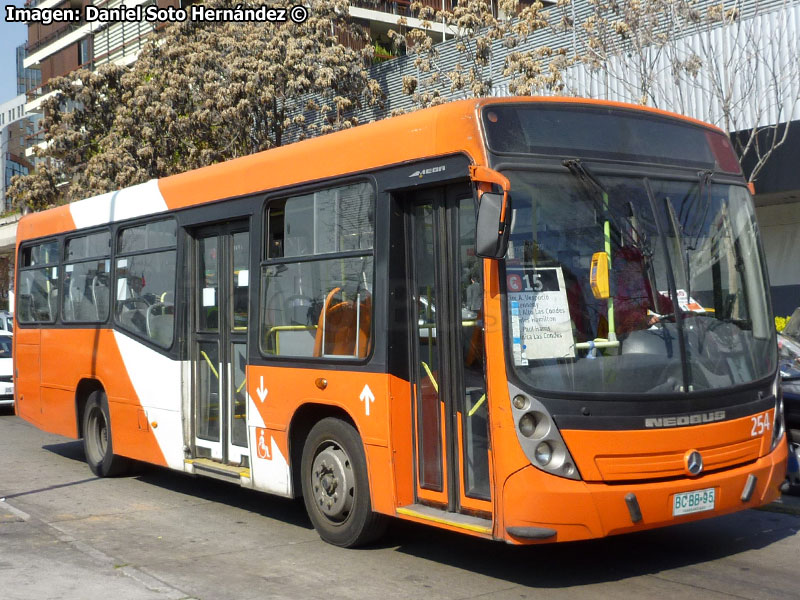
(492, 229)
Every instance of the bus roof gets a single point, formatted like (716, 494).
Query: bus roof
(441, 130)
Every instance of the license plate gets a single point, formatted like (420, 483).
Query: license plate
(693, 502)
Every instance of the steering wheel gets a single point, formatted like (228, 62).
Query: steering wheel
(658, 319)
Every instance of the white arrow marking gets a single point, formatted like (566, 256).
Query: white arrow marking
(262, 391)
(366, 397)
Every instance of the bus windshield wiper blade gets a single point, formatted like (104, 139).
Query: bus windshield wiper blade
(589, 181)
(634, 236)
(673, 293)
(577, 168)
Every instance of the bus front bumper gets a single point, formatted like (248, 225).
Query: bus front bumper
(534, 501)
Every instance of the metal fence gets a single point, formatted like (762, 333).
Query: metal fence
(757, 19)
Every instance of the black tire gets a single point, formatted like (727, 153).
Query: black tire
(97, 439)
(336, 485)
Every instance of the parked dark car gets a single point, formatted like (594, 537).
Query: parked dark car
(789, 358)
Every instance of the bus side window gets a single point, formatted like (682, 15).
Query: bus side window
(38, 283)
(321, 305)
(344, 326)
(100, 295)
(145, 281)
(331, 317)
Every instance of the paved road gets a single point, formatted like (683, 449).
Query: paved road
(65, 534)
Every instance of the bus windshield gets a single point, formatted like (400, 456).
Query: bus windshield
(683, 306)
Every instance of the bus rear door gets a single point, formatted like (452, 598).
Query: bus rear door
(219, 346)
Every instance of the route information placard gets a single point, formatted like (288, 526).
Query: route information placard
(539, 314)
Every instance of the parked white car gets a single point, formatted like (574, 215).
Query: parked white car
(6, 371)
(6, 322)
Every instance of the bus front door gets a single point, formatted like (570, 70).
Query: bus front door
(219, 348)
(444, 282)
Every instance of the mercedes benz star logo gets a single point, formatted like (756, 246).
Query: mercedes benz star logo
(694, 462)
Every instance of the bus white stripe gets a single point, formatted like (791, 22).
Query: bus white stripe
(268, 474)
(273, 474)
(135, 201)
(157, 382)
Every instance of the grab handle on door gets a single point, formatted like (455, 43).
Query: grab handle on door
(430, 376)
(210, 364)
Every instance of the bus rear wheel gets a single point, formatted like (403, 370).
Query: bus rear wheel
(336, 485)
(97, 438)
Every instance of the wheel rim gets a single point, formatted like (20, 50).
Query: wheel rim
(97, 436)
(333, 483)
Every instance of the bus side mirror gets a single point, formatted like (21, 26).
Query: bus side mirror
(494, 212)
(493, 225)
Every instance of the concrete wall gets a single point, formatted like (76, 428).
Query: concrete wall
(780, 231)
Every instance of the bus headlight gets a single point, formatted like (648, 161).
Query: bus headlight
(778, 425)
(543, 454)
(527, 425)
(520, 402)
(539, 437)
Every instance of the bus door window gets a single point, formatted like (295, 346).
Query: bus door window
(239, 394)
(450, 399)
(209, 365)
(208, 382)
(239, 318)
(474, 409)
(241, 280)
(220, 298)
(429, 410)
(208, 272)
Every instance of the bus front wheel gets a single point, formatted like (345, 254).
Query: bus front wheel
(336, 485)
(97, 438)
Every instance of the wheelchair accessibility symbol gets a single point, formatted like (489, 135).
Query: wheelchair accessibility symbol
(262, 447)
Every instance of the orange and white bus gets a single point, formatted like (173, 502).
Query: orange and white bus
(529, 320)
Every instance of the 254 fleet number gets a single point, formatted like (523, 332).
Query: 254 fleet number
(760, 424)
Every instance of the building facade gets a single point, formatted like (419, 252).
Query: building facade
(18, 132)
(14, 131)
(14, 128)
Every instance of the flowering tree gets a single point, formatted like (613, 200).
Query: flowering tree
(480, 32)
(198, 94)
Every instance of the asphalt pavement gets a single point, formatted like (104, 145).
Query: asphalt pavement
(67, 535)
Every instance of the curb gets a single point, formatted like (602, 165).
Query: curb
(788, 505)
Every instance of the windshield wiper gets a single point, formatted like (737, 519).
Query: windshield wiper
(673, 292)
(577, 168)
(692, 227)
(687, 225)
(582, 174)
